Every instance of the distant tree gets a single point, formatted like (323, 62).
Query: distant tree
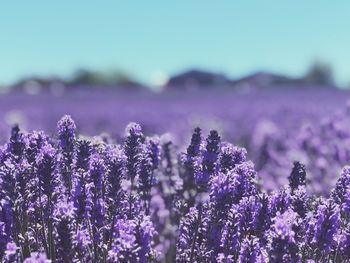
(88, 77)
(320, 74)
(119, 77)
(107, 78)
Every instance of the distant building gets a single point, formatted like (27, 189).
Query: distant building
(197, 79)
(262, 80)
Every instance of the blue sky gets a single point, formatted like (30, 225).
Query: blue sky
(152, 38)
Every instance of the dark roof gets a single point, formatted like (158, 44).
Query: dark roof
(264, 80)
(197, 78)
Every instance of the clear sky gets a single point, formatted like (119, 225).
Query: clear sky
(151, 38)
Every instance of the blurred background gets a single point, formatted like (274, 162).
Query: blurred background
(236, 66)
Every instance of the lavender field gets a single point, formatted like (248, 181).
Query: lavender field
(235, 114)
(276, 127)
(175, 177)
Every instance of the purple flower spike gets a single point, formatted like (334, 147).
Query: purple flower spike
(326, 227)
(298, 176)
(132, 148)
(283, 246)
(66, 129)
(64, 215)
(209, 161)
(251, 252)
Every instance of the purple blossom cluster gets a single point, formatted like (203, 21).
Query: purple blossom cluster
(234, 220)
(69, 198)
(323, 147)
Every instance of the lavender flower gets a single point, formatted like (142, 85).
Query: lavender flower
(79, 196)
(132, 148)
(344, 243)
(6, 225)
(97, 172)
(34, 142)
(169, 181)
(145, 233)
(341, 186)
(299, 201)
(345, 207)
(149, 162)
(231, 235)
(8, 182)
(247, 211)
(45, 162)
(230, 156)
(191, 240)
(194, 148)
(82, 243)
(66, 133)
(83, 154)
(298, 176)
(262, 217)
(280, 201)
(283, 246)
(210, 156)
(326, 226)
(190, 163)
(221, 199)
(251, 252)
(133, 241)
(17, 144)
(64, 220)
(222, 191)
(124, 246)
(115, 176)
(244, 180)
